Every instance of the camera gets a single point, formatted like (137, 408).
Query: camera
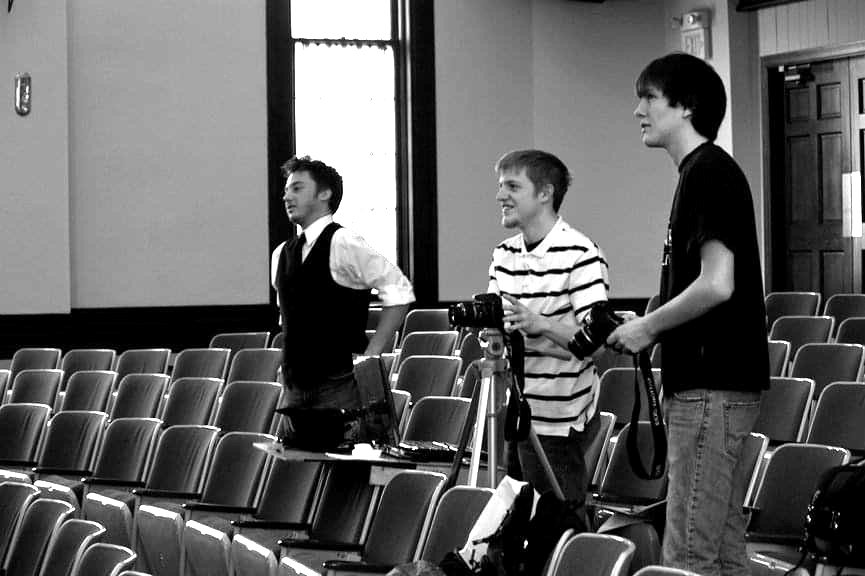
(598, 324)
(484, 311)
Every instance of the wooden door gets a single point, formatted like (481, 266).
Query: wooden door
(817, 243)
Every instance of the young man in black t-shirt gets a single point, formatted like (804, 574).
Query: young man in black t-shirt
(711, 321)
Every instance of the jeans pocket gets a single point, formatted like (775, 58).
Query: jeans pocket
(688, 396)
(739, 419)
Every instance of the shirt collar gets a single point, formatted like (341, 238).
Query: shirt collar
(541, 249)
(314, 230)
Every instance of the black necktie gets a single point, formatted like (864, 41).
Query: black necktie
(298, 248)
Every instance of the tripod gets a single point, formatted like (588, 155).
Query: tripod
(495, 370)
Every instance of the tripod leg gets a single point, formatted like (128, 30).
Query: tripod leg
(480, 420)
(545, 464)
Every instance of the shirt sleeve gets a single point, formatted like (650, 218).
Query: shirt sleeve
(274, 265)
(589, 282)
(355, 264)
(493, 285)
(716, 197)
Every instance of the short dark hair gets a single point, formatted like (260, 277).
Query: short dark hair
(542, 168)
(690, 82)
(326, 177)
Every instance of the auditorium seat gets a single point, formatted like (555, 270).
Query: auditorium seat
(33, 359)
(428, 343)
(179, 464)
(791, 304)
(251, 559)
(123, 457)
(843, 306)
(425, 320)
(779, 357)
(780, 505)
(139, 396)
(439, 418)
(36, 386)
(606, 358)
(142, 361)
(277, 341)
(390, 343)
(800, 330)
(455, 515)
(4, 384)
(596, 554)
(247, 406)
(616, 394)
(652, 304)
(851, 331)
(827, 363)
(104, 560)
(398, 529)
(40, 522)
(255, 365)
(236, 341)
(22, 427)
(201, 363)
(839, 417)
(657, 570)
(89, 390)
(598, 451)
(15, 497)
(784, 409)
(191, 400)
(206, 550)
(428, 375)
(68, 545)
(85, 359)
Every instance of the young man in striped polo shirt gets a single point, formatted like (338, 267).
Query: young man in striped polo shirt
(549, 275)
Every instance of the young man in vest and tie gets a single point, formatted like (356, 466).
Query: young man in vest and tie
(323, 280)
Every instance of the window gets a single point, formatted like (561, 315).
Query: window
(345, 107)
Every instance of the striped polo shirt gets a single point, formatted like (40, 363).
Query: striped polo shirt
(560, 279)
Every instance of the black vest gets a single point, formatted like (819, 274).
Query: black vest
(323, 323)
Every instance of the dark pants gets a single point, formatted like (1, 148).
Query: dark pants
(335, 392)
(566, 455)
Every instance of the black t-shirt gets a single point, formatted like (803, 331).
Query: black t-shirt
(726, 348)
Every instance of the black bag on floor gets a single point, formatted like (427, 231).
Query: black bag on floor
(836, 517)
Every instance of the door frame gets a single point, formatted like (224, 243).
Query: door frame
(771, 144)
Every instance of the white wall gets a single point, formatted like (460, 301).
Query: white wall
(34, 168)
(168, 151)
(556, 75)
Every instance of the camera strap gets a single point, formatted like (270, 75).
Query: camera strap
(643, 365)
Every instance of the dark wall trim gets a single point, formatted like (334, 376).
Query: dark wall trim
(422, 205)
(175, 327)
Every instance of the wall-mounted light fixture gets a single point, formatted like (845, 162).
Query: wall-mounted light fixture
(22, 94)
(9, 9)
(696, 39)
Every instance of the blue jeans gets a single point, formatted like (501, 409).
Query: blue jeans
(705, 525)
(335, 392)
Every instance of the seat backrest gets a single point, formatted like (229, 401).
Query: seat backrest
(779, 357)
(206, 551)
(21, 429)
(15, 497)
(606, 358)
(851, 331)
(40, 521)
(142, 361)
(139, 396)
(104, 560)
(434, 343)
(72, 439)
(799, 330)
(657, 570)
(191, 400)
(843, 306)
(839, 418)
(236, 341)
(753, 451)
(201, 363)
(247, 406)
(181, 458)
(38, 386)
(389, 344)
(652, 304)
(33, 359)
(68, 544)
(599, 446)
(255, 365)
(85, 359)
(345, 502)
(278, 340)
(426, 320)
(619, 479)
(455, 515)
(596, 554)
(403, 517)
(251, 559)
(616, 393)
(440, 418)
(427, 375)
(470, 350)
(4, 384)
(89, 390)
(784, 409)
(289, 491)
(788, 483)
(791, 304)
(401, 401)
(127, 448)
(827, 363)
(236, 470)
